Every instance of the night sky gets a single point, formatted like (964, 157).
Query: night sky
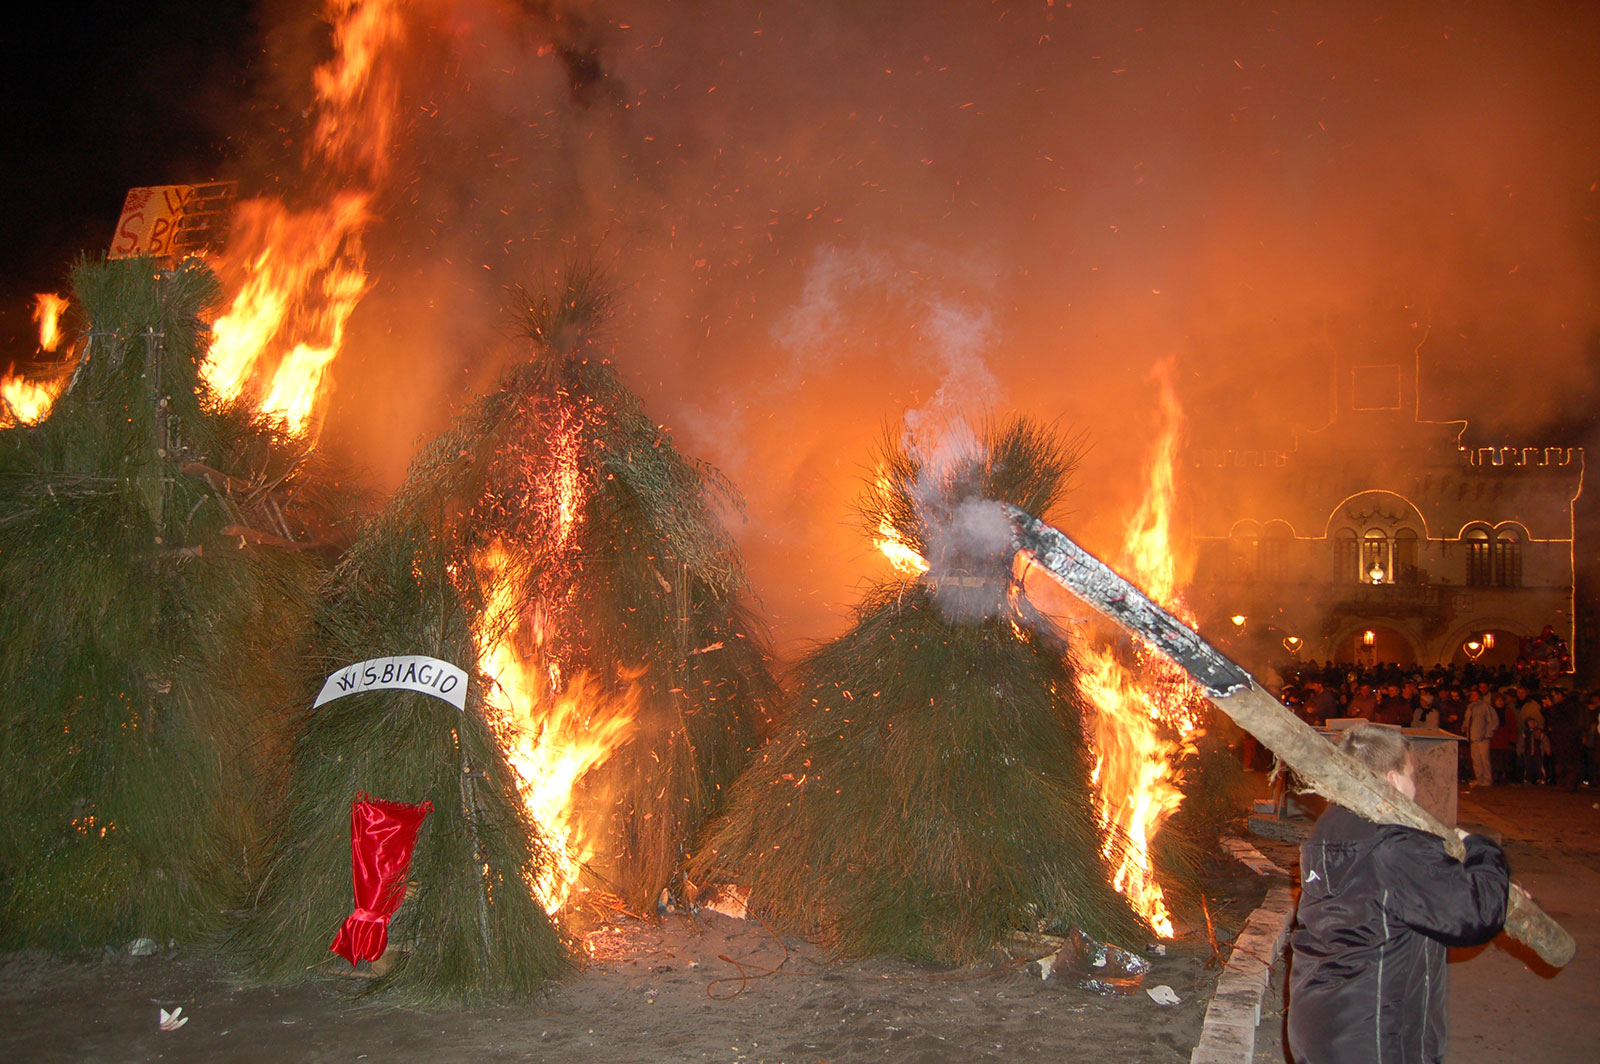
(106, 97)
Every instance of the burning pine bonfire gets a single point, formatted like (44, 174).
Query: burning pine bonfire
(143, 644)
(556, 546)
(928, 792)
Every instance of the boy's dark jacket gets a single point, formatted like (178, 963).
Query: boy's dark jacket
(1378, 905)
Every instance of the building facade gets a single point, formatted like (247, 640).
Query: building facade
(1381, 537)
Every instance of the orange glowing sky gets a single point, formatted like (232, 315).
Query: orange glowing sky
(822, 216)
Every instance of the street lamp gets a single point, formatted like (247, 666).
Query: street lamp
(1376, 572)
(1293, 644)
(1474, 649)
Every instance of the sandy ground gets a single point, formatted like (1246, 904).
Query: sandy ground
(667, 991)
(1505, 1004)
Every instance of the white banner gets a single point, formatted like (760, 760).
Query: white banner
(412, 672)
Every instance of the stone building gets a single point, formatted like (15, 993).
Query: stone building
(1381, 537)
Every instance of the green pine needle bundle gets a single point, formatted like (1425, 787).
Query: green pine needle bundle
(553, 515)
(618, 551)
(469, 929)
(928, 792)
(143, 653)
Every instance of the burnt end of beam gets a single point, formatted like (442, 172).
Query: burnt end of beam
(1103, 588)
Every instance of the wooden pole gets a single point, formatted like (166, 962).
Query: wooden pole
(1324, 768)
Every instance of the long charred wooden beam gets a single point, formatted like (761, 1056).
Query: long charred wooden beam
(1325, 769)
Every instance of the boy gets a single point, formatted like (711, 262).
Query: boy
(1378, 905)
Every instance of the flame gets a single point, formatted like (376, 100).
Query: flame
(24, 402)
(552, 741)
(1134, 771)
(47, 310)
(901, 554)
(1148, 714)
(553, 736)
(298, 275)
(1148, 545)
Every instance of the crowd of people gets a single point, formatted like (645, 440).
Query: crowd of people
(1519, 728)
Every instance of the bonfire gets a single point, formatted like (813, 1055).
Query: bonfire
(143, 642)
(929, 793)
(554, 545)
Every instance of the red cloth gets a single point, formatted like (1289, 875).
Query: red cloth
(382, 836)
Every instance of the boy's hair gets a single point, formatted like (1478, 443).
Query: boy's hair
(1381, 749)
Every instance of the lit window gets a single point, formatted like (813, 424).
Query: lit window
(1507, 559)
(1375, 564)
(1480, 565)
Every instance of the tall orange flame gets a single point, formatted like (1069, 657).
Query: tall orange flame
(1145, 715)
(47, 310)
(553, 737)
(298, 275)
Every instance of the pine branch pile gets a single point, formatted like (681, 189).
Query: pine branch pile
(142, 653)
(625, 576)
(469, 929)
(928, 792)
(555, 519)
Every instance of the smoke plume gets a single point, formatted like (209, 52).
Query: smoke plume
(829, 216)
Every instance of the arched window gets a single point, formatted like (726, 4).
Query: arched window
(1346, 557)
(1376, 566)
(1480, 561)
(1272, 552)
(1405, 556)
(1507, 558)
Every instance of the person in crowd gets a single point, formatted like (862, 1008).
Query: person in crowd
(1363, 703)
(1392, 708)
(1426, 715)
(1535, 743)
(1451, 709)
(1564, 725)
(1481, 722)
(1591, 736)
(1321, 703)
(1379, 905)
(1529, 708)
(1503, 743)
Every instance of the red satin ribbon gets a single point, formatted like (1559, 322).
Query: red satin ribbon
(382, 837)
